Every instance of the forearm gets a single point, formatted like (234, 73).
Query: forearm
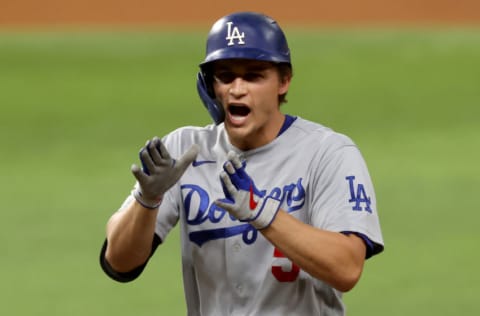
(130, 235)
(332, 257)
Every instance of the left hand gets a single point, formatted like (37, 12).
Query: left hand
(242, 198)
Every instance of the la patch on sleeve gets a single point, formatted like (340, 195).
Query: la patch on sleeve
(358, 196)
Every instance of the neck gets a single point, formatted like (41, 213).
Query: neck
(259, 137)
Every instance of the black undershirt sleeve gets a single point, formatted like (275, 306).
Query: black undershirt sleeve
(125, 276)
(372, 247)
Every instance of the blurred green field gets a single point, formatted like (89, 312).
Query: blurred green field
(76, 107)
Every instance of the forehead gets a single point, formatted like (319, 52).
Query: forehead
(241, 65)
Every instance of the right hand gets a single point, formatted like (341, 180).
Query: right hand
(159, 172)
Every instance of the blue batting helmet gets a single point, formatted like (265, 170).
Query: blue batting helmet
(245, 35)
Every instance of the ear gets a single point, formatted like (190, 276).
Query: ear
(284, 84)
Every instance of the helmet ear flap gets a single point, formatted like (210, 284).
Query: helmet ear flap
(214, 108)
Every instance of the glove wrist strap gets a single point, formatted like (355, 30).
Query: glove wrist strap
(267, 213)
(152, 205)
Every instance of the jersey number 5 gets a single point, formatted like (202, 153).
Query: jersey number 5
(286, 271)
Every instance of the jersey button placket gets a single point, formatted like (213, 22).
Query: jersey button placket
(239, 288)
(233, 248)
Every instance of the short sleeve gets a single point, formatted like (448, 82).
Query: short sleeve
(343, 197)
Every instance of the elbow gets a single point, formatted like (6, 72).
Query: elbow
(345, 286)
(123, 261)
(347, 280)
(116, 261)
(343, 280)
(348, 270)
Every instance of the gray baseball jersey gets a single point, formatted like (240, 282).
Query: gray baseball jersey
(229, 268)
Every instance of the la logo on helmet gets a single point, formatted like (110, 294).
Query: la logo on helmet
(234, 34)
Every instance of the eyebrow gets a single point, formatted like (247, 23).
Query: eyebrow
(247, 67)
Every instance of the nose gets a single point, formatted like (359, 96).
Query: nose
(238, 87)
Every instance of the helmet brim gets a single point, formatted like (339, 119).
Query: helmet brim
(244, 53)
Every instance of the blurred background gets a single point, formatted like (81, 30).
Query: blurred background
(83, 84)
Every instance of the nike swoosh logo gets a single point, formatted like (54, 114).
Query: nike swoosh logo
(253, 203)
(197, 163)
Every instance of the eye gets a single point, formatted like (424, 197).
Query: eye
(252, 76)
(224, 76)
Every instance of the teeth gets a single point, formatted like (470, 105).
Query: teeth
(237, 119)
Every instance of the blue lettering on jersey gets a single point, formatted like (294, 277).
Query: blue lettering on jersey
(358, 195)
(199, 209)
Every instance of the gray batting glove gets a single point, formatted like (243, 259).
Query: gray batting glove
(242, 198)
(159, 172)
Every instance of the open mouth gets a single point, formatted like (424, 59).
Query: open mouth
(236, 110)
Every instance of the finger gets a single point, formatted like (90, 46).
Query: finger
(153, 149)
(224, 204)
(228, 167)
(187, 158)
(162, 149)
(237, 177)
(138, 173)
(235, 159)
(228, 187)
(227, 194)
(147, 162)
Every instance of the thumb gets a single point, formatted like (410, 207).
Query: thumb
(187, 158)
(224, 204)
(137, 173)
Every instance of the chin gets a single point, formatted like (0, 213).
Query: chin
(237, 135)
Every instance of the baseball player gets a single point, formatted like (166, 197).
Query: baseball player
(277, 213)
